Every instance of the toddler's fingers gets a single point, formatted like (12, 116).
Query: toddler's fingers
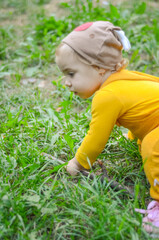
(72, 168)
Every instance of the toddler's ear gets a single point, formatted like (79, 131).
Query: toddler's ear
(101, 71)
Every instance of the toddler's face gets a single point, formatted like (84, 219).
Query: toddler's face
(82, 79)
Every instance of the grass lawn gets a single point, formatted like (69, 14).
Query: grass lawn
(40, 118)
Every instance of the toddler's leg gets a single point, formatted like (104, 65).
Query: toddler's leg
(150, 156)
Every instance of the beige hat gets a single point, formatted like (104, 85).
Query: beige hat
(99, 43)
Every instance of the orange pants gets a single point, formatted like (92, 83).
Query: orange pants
(150, 156)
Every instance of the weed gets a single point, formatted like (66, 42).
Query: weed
(38, 199)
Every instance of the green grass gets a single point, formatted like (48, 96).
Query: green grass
(38, 199)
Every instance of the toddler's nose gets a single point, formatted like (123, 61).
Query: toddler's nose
(68, 83)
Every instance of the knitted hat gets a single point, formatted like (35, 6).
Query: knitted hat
(99, 43)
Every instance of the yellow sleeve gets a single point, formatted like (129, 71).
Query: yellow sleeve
(106, 109)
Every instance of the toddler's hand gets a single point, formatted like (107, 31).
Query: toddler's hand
(74, 167)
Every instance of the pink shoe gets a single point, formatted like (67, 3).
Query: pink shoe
(151, 221)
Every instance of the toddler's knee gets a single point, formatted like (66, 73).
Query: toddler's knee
(146, 148)
(149, 147)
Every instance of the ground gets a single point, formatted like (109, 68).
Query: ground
(40, 120)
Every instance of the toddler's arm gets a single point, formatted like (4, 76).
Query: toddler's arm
(106, 108)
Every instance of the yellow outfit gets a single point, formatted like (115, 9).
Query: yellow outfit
(129, 99)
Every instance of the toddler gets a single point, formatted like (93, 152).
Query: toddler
(91, 59)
